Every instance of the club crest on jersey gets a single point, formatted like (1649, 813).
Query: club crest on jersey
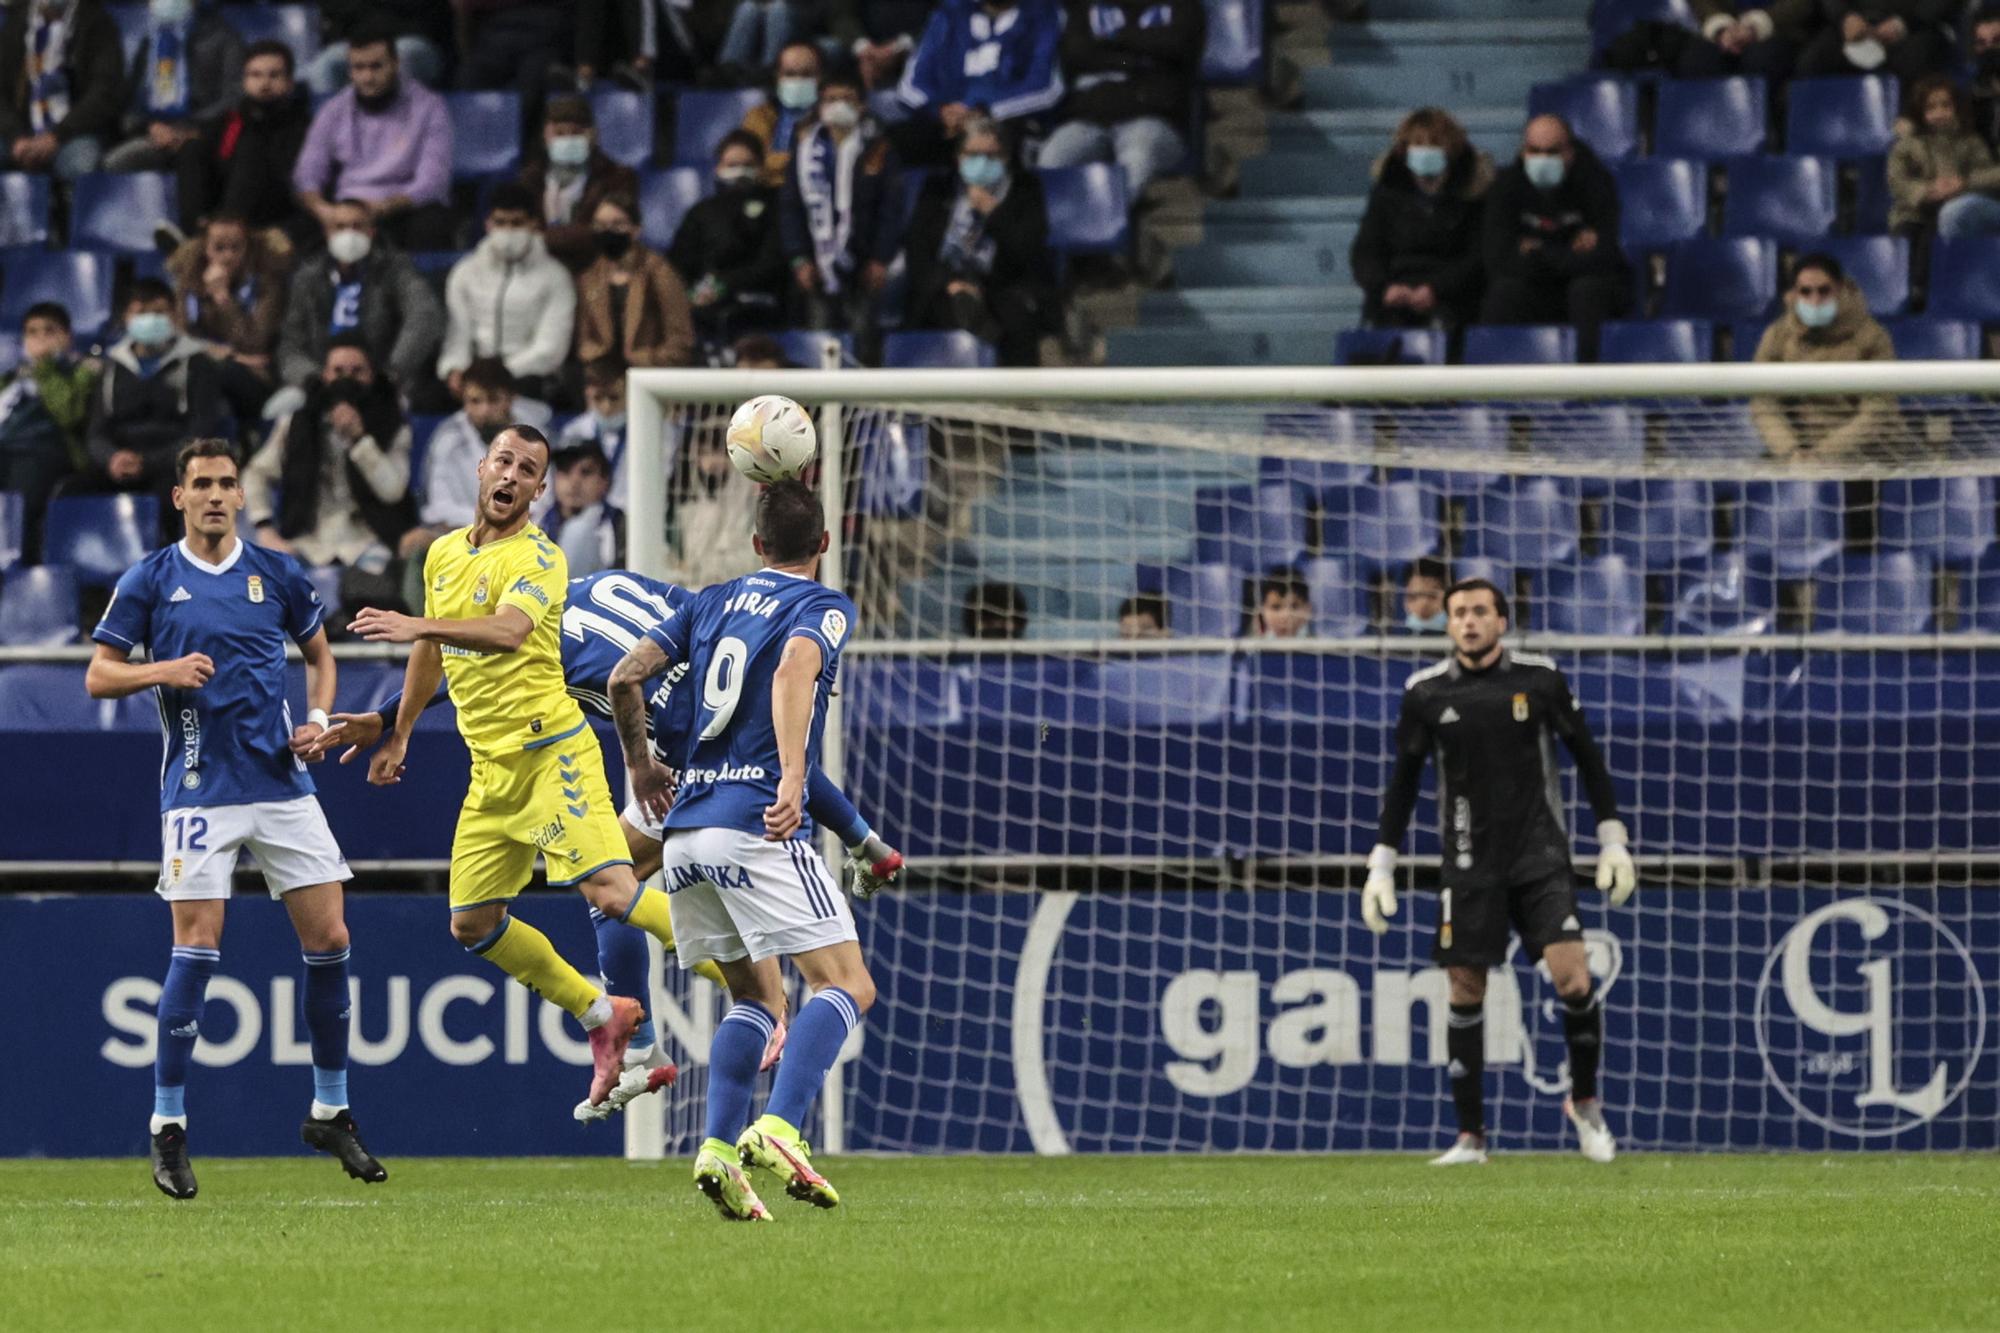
(1520, 708)
(256, 588)
(479, 591)
(834, 625)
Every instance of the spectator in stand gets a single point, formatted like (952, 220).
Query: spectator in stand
(710, 505)
(410, 23)
(996, 57)
(43, 403)
(332, 483)
(760, 30)
(159, 389)
(231, 284)
(579, 516)
(727, 246)
(1416, 255)
(1132, 67)
(1551, 237)
(602, 423)
(758, 351)
(839, 215)
(1826, 319)
(1985, 29)
(1906, 38)
(1284, 605)
(450, 482)
(1143, 616)
(630, 304)
(511, 299)
(994, 611)
(795, 92)
(386, 141)
(978, 250)
(186, 74)
(1757, 39)
(878, 34)
(241, 161)
(1424, 583)
(571, 176)
(62, 85)
(360, 284)
(512, 44)
(1942, 175)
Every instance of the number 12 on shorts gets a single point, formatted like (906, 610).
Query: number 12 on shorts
(189, 830)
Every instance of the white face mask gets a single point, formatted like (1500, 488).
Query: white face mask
(170, 12)
(348, 246)
(511, 243)
(841, 115)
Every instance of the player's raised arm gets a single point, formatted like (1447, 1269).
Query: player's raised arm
(792, 688)
(502, 632)
(1399, 801)
(1615, 872)
(664, 644)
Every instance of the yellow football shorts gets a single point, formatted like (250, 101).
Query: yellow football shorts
(551, 800)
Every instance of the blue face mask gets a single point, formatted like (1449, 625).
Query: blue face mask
(1424, 160)
(609, 424)
(150, 329)
(1815, 314)
(981, 170)
(569, 150)
(797, 94)
(1545, 170)
(1424, 624)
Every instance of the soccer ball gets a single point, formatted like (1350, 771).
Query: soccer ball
(771, 438)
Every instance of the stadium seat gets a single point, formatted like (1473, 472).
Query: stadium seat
(1792, 527)
(1234, 52)
(1520, 345)
(297, 26)
(1661, 202)
(1396, 347)
(117, 211)
(1088, 209)
(1879, 265)
(1723, 595)
(949, 349)
(665, 198)
(1980, 596)
(1339, 601)
(1383, 527)
(38, 607)
(485, 134)
(1525, 523)
(702, 119)
(1787, 198)
(1203, 601)
(435, 263)
(1709, 117)
(79, 279)
(13, 526)
(1251, 528)
(1934, 339)
(1601, 111)
(1949, 519)
(1871, 196)
(1609, 433)
(1887, 593)
(1602, 596)
(803, 347)
(1658, 523)
(1647, 341)
(1734, 277)
(1965, 279)
(100, 536)
(1846, 117)
(24, 209)
(1166, 691)
(624, 125)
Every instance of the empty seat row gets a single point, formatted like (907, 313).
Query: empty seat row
(1846, 118)
(1638, 342)
(1791, 199)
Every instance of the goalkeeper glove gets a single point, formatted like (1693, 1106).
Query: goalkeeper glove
(872, 867)
(1378, 895)
(1615, 873)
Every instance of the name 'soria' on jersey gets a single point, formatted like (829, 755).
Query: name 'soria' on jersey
(732, 639)
(227, 743)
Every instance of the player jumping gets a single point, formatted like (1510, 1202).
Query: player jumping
(1491, 715)
(745, 882)
(213, 614)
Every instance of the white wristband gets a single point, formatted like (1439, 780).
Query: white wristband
(318, 718)
(1611, 833)
(1382, 858)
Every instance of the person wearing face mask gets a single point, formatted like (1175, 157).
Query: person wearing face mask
(62, 84)
(1826, 319)
(630, 303)
(978, 254)
(158, 391)
(241, 161)
(1550, 238)
(838, 215)
(1906, 38)
(509, 299)
(1416, 254)
(1941, 173)
(1132, 67)
(360, 283)
(186, 73)
(1424, 583)
(998, 57)
(727, 250)
(794, 96)
(602, 424)
(571, 176)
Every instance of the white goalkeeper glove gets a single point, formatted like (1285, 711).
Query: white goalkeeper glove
(1615, 873)
(1378, 895)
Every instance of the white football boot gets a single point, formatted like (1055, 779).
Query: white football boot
(1470, 1150)
(1593, 1136)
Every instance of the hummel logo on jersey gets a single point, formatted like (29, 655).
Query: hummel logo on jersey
(1449, 714)
(181, 595)
(1571, 923)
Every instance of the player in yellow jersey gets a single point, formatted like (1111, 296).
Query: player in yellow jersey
(492, 625)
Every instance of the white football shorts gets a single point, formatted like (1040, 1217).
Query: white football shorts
(735, 895)
(289, 839)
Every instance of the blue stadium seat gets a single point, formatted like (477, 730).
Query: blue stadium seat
(1965, 279)
(1088, 209)
(297, 26)
(100, 536)
(665, 198)
(1166, 691)
(952, 349)
(1525, 523)
(1520, 345)
(1250, 528)
(485, 134)
(1950, 519)
(13, 526)
(702, 119)
(1601, 111)
(1402, 347)
(1925, 339)
(1793, 527)
(1980, 595)
(1879, 265)
(117, 211)
(1609, 433)
(1661, 202)
(1602, 596)
(1709, 117)
(1847, 117)
(1339, 601)
(1383, 527)
(1645, 341)
(624, 125)
(1611, 18)
(38, 607)
(1724, 595)
(1658, 523)
(1744, 335)
(1888, 593)
(435, 263)
(24, 209)
(1733, 277)
(1871, 196)
(1202, 600)
(1788, 198)
(802, 347)
(1234, 52)
(79, 279)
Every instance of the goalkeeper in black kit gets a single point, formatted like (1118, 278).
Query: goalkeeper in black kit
(1491, 716)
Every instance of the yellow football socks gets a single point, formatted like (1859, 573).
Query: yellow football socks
(651, 914)
(527, 956)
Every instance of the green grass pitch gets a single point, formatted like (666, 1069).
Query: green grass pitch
(1767, 1243)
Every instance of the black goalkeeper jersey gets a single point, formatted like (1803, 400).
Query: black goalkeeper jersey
(1493, 733)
